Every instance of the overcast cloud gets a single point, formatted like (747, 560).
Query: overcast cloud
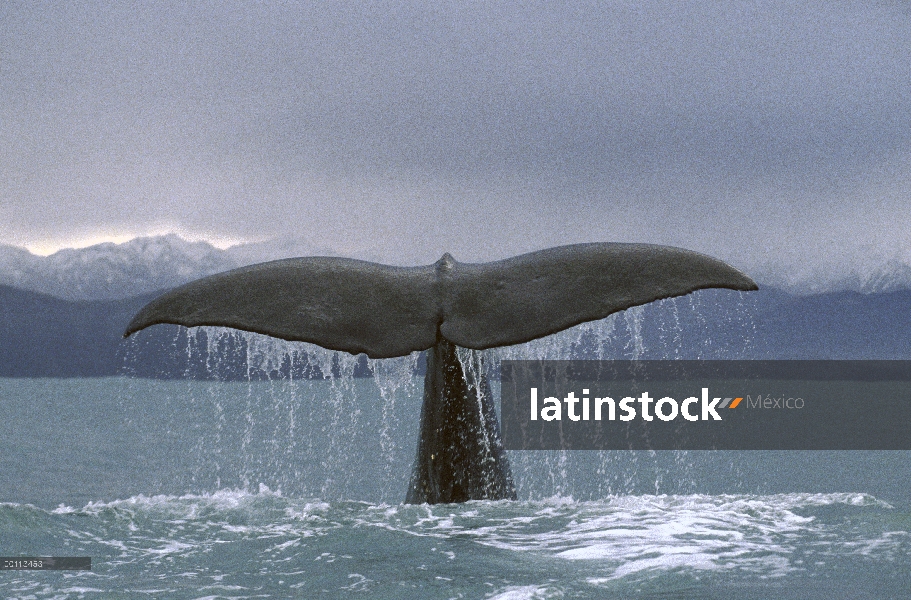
(776, 135)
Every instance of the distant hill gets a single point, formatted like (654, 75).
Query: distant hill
(835, 325)
(142, 265)
(44, 336)
(771, 324)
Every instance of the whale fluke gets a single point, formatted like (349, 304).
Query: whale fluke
(385, 311)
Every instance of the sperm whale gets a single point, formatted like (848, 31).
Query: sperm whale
(452, 310)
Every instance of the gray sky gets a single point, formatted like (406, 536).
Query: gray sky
(776, 135)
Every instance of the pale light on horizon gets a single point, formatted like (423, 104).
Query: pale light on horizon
(49, 247)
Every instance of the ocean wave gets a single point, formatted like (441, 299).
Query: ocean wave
(244, 543)
(634, 534)
(622, 536)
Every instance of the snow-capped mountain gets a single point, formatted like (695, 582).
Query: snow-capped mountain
(142, 265)
(892, 276)
(871, 277)
(108, 271)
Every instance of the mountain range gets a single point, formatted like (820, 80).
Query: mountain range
(112, 271)
(63, 316)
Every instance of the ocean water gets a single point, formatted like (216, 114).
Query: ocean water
(294, 489)
(238, 544)
(187, 489)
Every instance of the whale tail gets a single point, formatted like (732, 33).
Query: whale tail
(384, 311)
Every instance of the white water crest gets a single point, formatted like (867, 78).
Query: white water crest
(619, 538)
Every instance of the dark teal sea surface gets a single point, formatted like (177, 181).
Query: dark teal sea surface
(190, 489)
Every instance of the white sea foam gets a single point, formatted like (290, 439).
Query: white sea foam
(602, 545)
(527, 592)
(633, 534)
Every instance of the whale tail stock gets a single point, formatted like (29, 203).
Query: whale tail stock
(384, 311)
(460, 454)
